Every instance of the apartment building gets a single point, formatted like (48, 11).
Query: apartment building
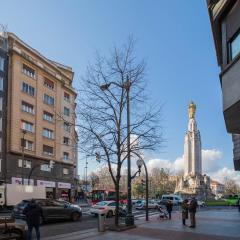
(39, 141)
(225, 23)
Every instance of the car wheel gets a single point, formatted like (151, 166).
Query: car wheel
(110, 214)
(19, 233)
(75, 216)
(41, 221)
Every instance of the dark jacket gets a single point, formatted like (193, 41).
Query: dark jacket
(184, 210)
(33, 213)
(193, 206)
(169, 206)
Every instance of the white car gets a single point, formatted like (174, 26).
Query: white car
(106, 207)
(151, 205)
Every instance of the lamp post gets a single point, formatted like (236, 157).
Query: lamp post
(126, 86)
(86, 177)
(23, 148)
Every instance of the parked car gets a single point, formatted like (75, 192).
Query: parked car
(176, 199)
(106, 207)
(151, 205)
(13, 226)
(52, 210)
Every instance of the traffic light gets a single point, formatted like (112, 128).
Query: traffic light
(98, 157)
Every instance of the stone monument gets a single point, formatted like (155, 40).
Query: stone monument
(193, 183)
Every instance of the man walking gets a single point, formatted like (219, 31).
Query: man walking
(33, 214)
(169, 207)
(192, 212)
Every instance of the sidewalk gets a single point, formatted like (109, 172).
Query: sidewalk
(211, 225)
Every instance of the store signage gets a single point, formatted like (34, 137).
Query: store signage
(46, 183)
(64, 185)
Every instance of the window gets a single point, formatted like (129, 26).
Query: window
(48, 133)
(66, 111)
(1, 63)
(48, 100)
(48, 116)
(66, 126)
(28, 71)
(0, 124)
(1, 83)
(47, 150)
(26, 163)
(27, 126)
(0, 144)
(28, 89)
(66, 97)
(45, 168)
(235, 46)
(66, 140)
(26, 107)
(48, 83)
(65, 171)
(28, 145)
(65, 156)
(1, 101)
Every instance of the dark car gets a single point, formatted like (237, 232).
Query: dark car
(52, 210)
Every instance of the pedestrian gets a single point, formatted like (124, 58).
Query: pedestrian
(169, 207)
(184, 211)
(192, 212)
(33, 214)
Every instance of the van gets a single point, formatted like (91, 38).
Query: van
(176, 199)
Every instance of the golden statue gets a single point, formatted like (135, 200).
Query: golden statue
(191, 110)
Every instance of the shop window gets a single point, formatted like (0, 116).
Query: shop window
(65, 171)
(26, 163)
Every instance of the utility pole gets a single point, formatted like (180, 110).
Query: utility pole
(23, 148)
(86, 176)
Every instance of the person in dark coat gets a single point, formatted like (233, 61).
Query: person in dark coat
(33, 214)
(169, 207)
(192, 212)
(238, 204)
(184, 211)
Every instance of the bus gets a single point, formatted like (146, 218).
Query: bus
(107, 195)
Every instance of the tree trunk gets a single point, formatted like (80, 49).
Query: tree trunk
(117, 202)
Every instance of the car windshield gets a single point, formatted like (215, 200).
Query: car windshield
(101, 203)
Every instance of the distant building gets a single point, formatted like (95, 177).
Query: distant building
(217, 188)
(225, 22)
(37, 119)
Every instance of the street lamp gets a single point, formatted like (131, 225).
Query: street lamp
(126, 86)
(23, 148)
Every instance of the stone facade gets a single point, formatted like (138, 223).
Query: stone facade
(193, 182)
(39, 121)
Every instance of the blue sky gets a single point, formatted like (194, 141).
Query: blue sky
(174, 37)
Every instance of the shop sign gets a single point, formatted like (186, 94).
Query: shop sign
(64, 185)
(46, 183)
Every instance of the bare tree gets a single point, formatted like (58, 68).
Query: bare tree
(102, 118)
(230, 186)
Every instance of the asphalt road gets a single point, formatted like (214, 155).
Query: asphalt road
(87, 222)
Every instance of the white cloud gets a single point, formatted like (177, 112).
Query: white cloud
(225, 172)
(211, 160)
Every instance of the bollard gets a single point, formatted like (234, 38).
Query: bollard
(101, 222)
